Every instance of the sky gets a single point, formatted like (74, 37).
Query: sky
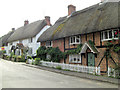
(13, 13)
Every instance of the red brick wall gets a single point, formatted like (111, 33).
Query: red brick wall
(97, 38)
(90, 37)
(59, 43)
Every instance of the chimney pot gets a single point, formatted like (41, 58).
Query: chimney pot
(71, 9)
(13, 29)
(47, 19)
(26, 22)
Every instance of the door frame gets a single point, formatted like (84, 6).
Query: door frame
(87, 58)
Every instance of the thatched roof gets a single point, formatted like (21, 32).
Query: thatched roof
(28, 31)
(92, 19)
(3, 39)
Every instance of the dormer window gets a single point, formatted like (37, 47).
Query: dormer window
(109, 34)
(75, 40)
(49, 44)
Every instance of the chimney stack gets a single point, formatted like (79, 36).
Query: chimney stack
(71, 9)
(26, 22)
(47, 19)
(13, 29)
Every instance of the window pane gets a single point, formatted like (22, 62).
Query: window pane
(115, 33)
(110, 34)
(106, 35)
(71, 40)
(74, 39)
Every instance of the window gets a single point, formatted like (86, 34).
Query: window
(30, 40)
(75, 58)
(49, 44)
(75, 40)
(109, 35)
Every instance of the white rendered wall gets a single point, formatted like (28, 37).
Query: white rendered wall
(34, 45)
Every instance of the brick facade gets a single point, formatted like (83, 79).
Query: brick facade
(95, 37)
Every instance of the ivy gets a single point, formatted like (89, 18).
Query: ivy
(55, 53)
(75, 51)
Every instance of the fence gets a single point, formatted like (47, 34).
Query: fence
(71, 67)
(111, 72)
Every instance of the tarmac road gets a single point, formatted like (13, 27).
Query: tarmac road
(16, 75)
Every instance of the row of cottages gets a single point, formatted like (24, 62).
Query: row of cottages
(97, 23)
(26, 37)
(3, 41)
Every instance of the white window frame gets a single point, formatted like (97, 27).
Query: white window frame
(49, 45)
(71, 43)
(77, 56)
(103, 34)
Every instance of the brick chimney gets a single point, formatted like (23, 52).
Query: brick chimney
(13, 29)
(47, 19)
(26, 22)
(71, 9)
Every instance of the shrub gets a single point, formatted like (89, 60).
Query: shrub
(37, 61)
(29, 57)
(59, 67)
(41, 52)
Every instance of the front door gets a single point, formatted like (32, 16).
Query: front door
(91, 59)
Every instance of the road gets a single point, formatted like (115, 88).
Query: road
(16, 75)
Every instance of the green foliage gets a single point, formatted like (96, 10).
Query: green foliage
(41, 52)
(59, 67)
(4, 51)
(37, 61)
(56, 54)
(11, 54)
(75, 51)
(116, 48)
(22, 58)
(29, 57)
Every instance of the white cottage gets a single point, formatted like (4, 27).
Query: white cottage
(27, 36)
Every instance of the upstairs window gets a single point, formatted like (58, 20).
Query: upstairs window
(75, 40)
(109, 35)
(49, 44)
(30, 40)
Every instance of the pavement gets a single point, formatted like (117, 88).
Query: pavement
(77, 74)
(21, 75)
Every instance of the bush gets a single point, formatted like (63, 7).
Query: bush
(29, 57)
(59, 67)
(14, 56)
(37, 61)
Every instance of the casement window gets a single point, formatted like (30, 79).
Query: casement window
(49, 44)
(109, 34)
(75, 58)
(75, 40)
(30, 40)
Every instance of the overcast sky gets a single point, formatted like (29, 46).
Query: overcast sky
(14, 12)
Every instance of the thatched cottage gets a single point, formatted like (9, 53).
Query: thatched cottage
(27, 36)
(92, 27)
(3, 41)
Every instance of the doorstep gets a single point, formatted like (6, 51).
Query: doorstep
(78, 74)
